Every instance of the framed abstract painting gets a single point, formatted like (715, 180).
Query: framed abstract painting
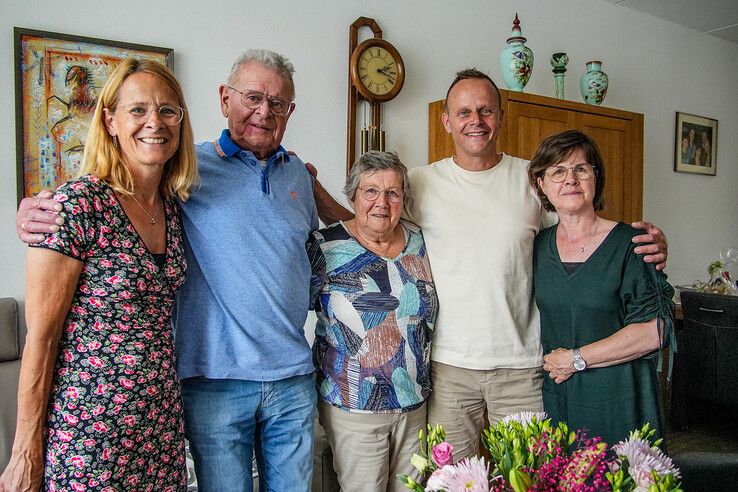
(57, 77)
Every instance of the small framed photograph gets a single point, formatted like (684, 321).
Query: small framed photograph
(696, 144)
(57, 78)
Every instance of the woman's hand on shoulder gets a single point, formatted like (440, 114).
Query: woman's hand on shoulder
(559, 364)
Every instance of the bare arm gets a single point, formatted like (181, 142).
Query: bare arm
(629, 343)
(329, 210)
(653, 242)
(51, 280)
(37, 216)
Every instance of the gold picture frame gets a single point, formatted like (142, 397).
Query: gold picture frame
(57, 77)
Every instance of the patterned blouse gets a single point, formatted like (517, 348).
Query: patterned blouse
(375, 322)
(115, 412)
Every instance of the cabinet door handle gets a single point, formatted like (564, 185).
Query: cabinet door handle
(712, 310)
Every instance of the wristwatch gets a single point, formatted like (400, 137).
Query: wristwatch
(579, 363)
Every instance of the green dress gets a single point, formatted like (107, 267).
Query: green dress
(612, 289)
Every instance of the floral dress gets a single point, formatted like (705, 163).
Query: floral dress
(115, 412)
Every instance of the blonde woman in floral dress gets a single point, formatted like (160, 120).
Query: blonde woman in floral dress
(99, 405)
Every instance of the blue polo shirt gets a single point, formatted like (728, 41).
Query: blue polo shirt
(241, 312)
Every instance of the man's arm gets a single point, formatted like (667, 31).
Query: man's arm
(329, 210)
(653, 242)
(37, 216)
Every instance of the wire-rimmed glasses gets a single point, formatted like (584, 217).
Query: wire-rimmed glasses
(254, 100)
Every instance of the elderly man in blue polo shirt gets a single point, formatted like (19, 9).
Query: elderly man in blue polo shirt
(245, 366)
(243, 359)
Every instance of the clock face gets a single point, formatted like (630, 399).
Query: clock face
(377, 70)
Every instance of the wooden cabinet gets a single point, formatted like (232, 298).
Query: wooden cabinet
(529, 118)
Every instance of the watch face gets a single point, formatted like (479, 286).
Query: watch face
(378, 70)
(579, 364)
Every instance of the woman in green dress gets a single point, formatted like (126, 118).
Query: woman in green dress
(604, 312)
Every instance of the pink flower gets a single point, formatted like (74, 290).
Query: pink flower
(64, 435)
(443, 454)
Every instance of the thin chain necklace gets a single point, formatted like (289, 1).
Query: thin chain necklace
(581, 248)
(152, 218)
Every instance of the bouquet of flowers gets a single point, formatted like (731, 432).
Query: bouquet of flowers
(528, 453)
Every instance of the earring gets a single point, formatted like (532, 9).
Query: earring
(115, 142)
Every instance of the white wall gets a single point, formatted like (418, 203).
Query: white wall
(655, 67)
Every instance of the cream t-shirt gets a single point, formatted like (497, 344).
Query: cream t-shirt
(479, 229)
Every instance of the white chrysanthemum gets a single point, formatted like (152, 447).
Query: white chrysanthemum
(642, 458)
(525, 418)
(468, 475)
(438, 481)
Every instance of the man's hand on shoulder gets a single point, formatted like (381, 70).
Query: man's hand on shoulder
(652, 244)
(37, 216)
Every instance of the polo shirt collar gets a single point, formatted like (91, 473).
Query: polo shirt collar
(226, 147)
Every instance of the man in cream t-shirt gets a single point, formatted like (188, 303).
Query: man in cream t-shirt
(479, 216)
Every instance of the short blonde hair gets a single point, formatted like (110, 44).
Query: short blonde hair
(104, 160)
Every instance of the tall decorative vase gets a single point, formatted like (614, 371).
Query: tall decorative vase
(558, 62)
(516, 60)
(593, 83)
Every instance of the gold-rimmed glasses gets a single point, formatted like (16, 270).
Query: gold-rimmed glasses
(582, 172)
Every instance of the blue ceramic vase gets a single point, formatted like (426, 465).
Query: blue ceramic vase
(593, 83)
(516, 60)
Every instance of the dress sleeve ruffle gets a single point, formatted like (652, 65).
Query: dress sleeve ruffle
(654, 300)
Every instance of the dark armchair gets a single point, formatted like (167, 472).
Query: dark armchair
(706, 366)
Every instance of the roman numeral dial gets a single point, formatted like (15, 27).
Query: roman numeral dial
(377, 70)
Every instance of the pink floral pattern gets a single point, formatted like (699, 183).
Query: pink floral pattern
(115, 413)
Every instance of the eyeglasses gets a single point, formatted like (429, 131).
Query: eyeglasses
(139, 113)
(582, 172)
(371, 194)
(254, 100)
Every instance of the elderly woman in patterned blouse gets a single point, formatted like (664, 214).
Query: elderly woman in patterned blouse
(376, 304)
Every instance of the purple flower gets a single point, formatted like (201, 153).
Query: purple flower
(443, 454)
(642, 458)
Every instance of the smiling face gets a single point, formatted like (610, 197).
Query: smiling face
(378, 218)
(257, 130)
(150, 142)
(473, 118)
(571, 195)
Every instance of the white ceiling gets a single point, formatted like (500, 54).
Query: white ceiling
(717, 18)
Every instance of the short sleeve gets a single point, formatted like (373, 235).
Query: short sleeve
(317, 267)
(76, 236)
(646, 295)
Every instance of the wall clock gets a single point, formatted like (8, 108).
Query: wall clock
(376, 75)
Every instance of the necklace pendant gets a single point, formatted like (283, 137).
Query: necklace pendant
(153, 221)
(581, 250)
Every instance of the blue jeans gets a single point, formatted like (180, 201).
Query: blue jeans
(226, 420)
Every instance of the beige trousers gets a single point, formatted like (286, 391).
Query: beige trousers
(461, 397)
(369, 450)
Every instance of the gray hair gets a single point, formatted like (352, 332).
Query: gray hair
(372, 162)
(269, 59)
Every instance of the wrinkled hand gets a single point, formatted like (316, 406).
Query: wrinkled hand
(37, 216)
(23, 473)
(653, 243)
(312, 170)
(558, 364)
